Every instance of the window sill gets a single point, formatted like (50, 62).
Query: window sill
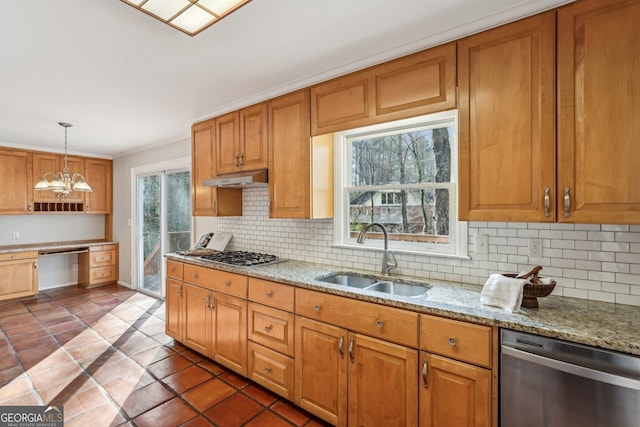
(401, 251)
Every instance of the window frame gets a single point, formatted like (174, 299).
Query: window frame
(457, 247)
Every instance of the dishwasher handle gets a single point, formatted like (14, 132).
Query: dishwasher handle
(572, 369)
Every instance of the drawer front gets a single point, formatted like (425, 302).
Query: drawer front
(103, 258)
(12, 256)
(175, 269)
(271, 369)
(216, 280)
(273, 294)
(387, 323)
(100, 248)
(104, 274)
(464, 341)
(271, 327)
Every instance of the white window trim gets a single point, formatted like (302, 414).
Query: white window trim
(458, 247)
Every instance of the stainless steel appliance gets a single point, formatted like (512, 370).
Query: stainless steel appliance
(546, 382)
(241, 258)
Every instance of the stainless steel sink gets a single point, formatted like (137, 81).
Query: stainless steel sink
(369, 283)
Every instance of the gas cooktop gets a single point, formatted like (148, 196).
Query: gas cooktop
(241, 258)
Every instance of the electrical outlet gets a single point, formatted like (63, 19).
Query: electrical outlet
(482, 244)
(535, 247)
(75, 267)
(15, 235)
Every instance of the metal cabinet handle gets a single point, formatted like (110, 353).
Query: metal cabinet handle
(268, 328)
(268, 294)
(227, 283)
(452, 341)
(207, 302)
(213, 300)
(547, 202)
(353, 360)
(267, 371)
(241, 160)
(214, 206)
(379, 324)
(567, 202)
(425, 368)
(180, 292)
(340, 346)
(235, 160)
(29, 208)
(316, 307)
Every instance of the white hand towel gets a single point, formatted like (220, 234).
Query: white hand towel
(504, 292)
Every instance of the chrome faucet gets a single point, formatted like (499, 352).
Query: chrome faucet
(389, 261)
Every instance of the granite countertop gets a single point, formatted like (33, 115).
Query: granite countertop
(54, 246)
(605, 325)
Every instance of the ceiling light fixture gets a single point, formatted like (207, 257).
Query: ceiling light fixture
(62, 183)
(188, 16)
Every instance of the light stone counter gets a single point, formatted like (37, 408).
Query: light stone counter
(604, 325)
(54, 246)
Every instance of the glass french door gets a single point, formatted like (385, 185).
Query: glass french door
(163, 224)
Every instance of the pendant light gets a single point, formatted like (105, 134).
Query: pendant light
(62, 183)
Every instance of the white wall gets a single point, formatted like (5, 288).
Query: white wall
(122, 193)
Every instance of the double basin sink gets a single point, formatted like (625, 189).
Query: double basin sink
(372, 283)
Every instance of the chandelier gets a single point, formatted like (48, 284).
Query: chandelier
(61, 182)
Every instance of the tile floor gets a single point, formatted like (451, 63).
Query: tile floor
(103, 354)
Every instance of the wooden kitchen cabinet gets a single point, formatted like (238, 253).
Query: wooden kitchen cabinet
(209, 201)
(417, 84)
(227, 143)
(174, 309)
(18, 275)
(241, 140)
(17, 196)
(229, 336)
(598, 126)
(98, 173)
(197, 318)
(506, 79)
(54, 163)
(98, 266)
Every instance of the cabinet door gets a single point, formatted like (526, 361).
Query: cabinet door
(209, 201)
(98, 175)
(197, 318)
(173, 304)
(382, 383)
(230, 332)
(43, 163)
(453, 393)
(18, 275)
(289, 156)
(253, 137)
(17, 196)
(507, 115)
(227, 143)
(321, 370)
(598, 126)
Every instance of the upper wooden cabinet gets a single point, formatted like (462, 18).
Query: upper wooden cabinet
(54, 163)
(599, 111)
(241, 140)
(98, 173)
(506, 80)
(417, 84)
(209, 201)
(17, 197)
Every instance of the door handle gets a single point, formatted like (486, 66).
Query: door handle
(340, 347)
(547, 202)
(425, 369)
(353, 360)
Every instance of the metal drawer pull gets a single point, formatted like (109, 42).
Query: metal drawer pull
(267, 371)
(353, 360)
(547, 202)
(452, 341)
(340, 347)
(567, 202)
(213, 300)
(379, 324)
(316, 307)
(268, 328)
(227, 283)
(425, 367)
(268, 294)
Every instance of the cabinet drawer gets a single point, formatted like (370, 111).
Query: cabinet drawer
(100, 248)
(103, 274)
(272, 328)
(103, 258)
(12, 256)
(390, 324)
(271, 369)
(175, 269)
(459, 340)
(216, 280)
(272, 294)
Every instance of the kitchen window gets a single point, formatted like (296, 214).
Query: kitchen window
(403, 175)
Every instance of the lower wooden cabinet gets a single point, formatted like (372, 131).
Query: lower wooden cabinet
(98, 266)
(271, 369)
(453, 393)
(229, 332)
(18, 275)
(173, 309)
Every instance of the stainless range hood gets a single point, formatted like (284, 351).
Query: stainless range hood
(247, 179)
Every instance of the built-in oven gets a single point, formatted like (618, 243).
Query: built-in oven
(546, 382)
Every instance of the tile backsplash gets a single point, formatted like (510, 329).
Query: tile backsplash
(589, 261)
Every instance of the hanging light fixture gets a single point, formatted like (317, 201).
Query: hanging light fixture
(62, 183)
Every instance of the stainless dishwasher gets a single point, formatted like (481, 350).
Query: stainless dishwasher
(546, 382)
